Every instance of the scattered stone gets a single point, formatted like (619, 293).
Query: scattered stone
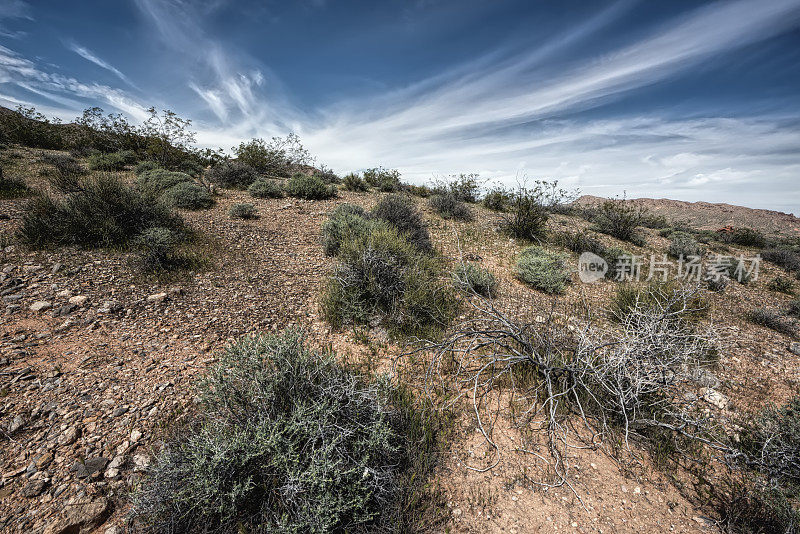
(78, 300)
(158, 297)
(64, 294)
(109, 306)
(89, 467)
(56, 267)
(40, 306)
(34, 488)
(794, 348)
(16, 424)
(714, 398)
(69, 436)
(81, 514)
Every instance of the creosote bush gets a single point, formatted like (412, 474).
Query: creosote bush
(788, 259)
(450, 207)
(114, 161)
(345, 223)
(382, 275)
(781, 285)
(526, 213)
(463, 188)
(746, 237)
(386, 180)
(188, 196)
(542, 269)
(232, 175)
(309, 187)
(287, 440)
(105, 212)
(469, 277)
(155, 182)
(354, 182)
(144, 167)
(620, 219)
(243, 211)
(773, 320)
(264, 188)
(401, 213)
(158, 248)
(12, 187)
(684, 245)
(497, 199)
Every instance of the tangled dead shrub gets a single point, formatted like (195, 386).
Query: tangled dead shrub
(286, 440)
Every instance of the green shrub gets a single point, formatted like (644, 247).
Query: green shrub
(114, 161)
(526, 215)
(353, 182)
(158, 246)
(287, 440)
(12, 187)
(232, 175)
(243, 211)
(772, 320)
(277, 157)
(579, 243)
(769, 456)
(383, 179)
(498, 199)
(788, 259)
(327, 175)
(401, 213)
(65, 165)
(542, 269)
(471, 277)
(781, 285)
(620, 219)
(666, 298)
(449, 207)
(145, 166)
(463, 188)
(105, 212)
(346, 222)
(746, 237)
(382, 275)
(263, 188)
(154, 183)
(309, 187)
(683, 245)
(418, 190)
(188, 196)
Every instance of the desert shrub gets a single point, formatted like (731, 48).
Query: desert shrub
(155, 182)
(718, 285)
(788, 259)
(658, 222)
(620, 219)
(113, 161)
(277, 157)
(464, 187)
(145, 166)
(354, 182)
(188, 196)
(232, 175)
(386, 180)
(473, 278)
(497, 199)
(346, 222)
(616, 258)
(12, 187)
(419, 190)
(781, 285)
(243, 211)
(793, 309)
(327, 175)
(773, 320)
(401, 213)
(542, 269)
(286, 440)
(191, 166)
(158, 247)
(449, 206)
(105, 212)
(309, 187)
(746, 237)
(264, 188)
(579, 243)
(667, 298)
(683, 245)
(767, 453)
(526, 215)
(382, 275)
(64, 164)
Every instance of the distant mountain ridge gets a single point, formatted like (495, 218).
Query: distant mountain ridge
(712, 216)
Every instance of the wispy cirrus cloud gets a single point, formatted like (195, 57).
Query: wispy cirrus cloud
(88, 55)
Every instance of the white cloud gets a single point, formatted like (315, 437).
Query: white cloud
(88, 55)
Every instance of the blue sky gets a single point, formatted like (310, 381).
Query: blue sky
(681, 99)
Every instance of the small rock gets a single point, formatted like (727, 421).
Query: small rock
(89, 467)
(78, 300)
(109, 306)
(794, 348)
(714, 398)
(80, 515)
(33, 488)
(64, 294)
(135, 436)
(40, 306)
(69, 436)
(158, 297)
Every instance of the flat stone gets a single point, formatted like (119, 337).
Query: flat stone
(33, 488)
(714, 398)
(794, 348)
(158, 297)
(81, 514)
(78, 300)
(40, 306)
